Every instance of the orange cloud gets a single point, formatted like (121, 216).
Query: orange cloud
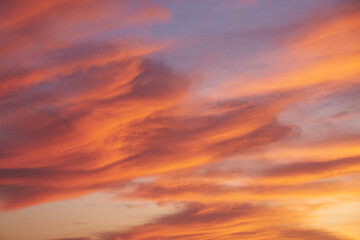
(324, 54)
(55, 23)
(305, 171)
(199, 221)
(134, 141)
(81, 113)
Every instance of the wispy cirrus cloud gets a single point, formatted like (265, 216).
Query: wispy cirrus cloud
(231, 221)
(86, 107)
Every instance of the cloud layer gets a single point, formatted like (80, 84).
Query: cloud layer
(85, 107)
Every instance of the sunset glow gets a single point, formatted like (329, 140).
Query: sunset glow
(179, 119)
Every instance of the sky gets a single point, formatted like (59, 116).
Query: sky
(179, 119)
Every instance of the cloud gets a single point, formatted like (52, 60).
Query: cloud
(142, 141)
(305, 171)
(198, 221)
(67, 125)
(238, 188)
(72, 239)
(84, 110)
(310, 56)
(61, 22)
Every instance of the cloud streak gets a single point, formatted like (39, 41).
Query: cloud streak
(87, 107)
